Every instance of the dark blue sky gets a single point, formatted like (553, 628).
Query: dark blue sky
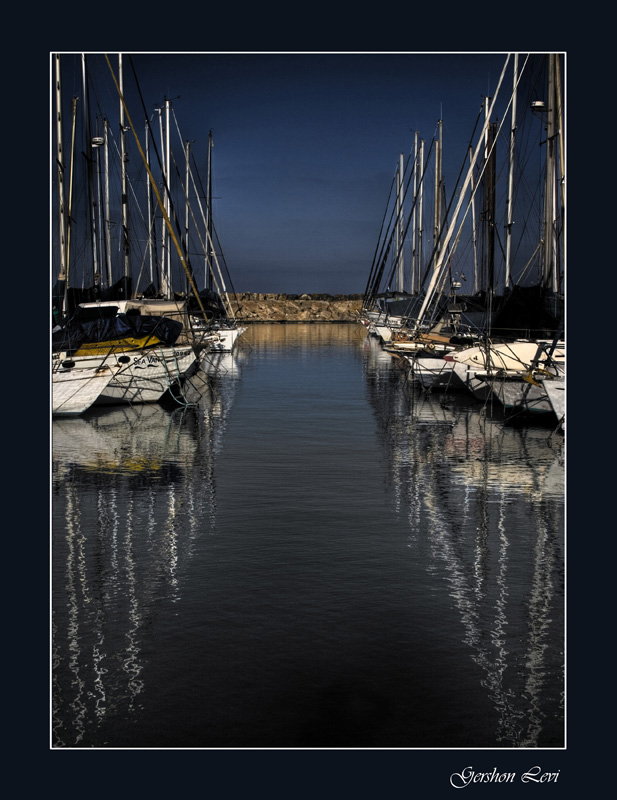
(305, 146)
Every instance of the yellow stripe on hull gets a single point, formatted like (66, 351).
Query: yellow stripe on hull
(116, 346)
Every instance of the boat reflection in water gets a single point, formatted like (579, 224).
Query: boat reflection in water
(133, 486)
(309, 552)
(484, 505)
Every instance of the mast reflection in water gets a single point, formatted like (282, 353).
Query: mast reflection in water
(484, 504)
(311, 553)
(133, 488)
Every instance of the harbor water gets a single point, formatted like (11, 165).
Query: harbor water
(309, 552)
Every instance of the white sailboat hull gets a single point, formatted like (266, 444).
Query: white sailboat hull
(498, 370)
(435, 374)
(510, 357)
(519, 394)
(225, 339)
(555, 389)
(74, 391)
(468, 379)
(141, 376)
(382, 331)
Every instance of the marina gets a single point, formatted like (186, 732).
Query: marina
(321, 504)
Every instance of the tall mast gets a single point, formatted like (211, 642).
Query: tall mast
(70, 204)
(489, 200)
(508, 266)
(209, 217)
(107, 201)
(485, 283)
(150, 216)
(62, 274)
(186, 200)
(549, 277)
(96, 276)
(414, 217)
(124, 160)
(490, 209)
(181, 255)
(400, 261)
(165, 252)
(439, 263)
(562, 163)
(420, 247)
(437, 221)
(167, 192)
(474, 229)
(97, 143)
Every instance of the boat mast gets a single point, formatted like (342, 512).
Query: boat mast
(168, 190)
(510, 201)
(187, 146)
(96, 276)
(414, 217)
(474, 229)
(216, 284)
(62, 274)
(149, 198)
(439, 266)
(70, 204)
(158, 196)
(400, 261)
(489, 204)
(209, 217)
(550, 260)
(165, 252)
(124, 162)
(419, 257)
(437, 221)
(107, 218)
(562, 163)
(97, 143)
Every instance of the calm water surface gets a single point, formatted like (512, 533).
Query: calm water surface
(311, 553)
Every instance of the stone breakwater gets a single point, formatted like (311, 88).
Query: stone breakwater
(254, 307)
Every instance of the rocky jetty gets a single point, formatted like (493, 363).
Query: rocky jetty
(255, 307)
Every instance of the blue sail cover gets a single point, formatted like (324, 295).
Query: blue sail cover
(73, 296)
(122, 326)
(530, 311)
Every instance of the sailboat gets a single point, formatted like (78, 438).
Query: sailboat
(391, 295)
(139, 352)
(136, 353)
(148, 345)
(434, 317)
(525, 392)
(214, 315)
(433, 322)
(517, 322)
(538, 309)
(509, 369)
